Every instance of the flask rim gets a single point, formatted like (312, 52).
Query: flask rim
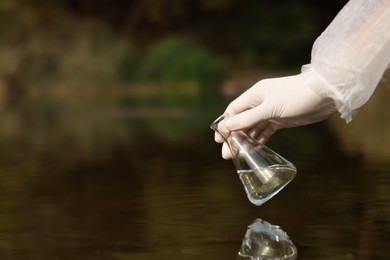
(214, 125)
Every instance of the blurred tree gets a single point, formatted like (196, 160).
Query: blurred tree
(268, 33)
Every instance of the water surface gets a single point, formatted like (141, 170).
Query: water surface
(150, 199)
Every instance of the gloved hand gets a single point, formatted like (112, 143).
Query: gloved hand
(272, 104)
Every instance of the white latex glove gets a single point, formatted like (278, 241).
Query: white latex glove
(272, 104)
(348, 61)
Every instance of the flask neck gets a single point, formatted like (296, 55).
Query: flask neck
(237, 141)
(214, 126)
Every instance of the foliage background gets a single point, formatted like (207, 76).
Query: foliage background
(89, 74)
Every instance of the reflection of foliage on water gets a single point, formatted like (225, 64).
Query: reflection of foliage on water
(188, 78)
(84, 90)
(368, 133)
(84, 80)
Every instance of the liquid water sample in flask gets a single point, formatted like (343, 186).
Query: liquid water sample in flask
(262, 171)
(266, 242)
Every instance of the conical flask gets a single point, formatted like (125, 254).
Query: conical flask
(262, 171)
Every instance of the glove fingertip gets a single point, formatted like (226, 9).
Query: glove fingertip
(218, 138)
(232, 123)
(226, 154)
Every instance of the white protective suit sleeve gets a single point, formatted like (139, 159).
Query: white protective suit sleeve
(350, 57)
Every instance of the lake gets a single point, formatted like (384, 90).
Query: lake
(178, 199)
(106, 151)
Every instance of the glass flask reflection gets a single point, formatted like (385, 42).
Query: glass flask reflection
(264, 241)
(262, 171)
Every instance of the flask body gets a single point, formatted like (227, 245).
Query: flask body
(262, 171)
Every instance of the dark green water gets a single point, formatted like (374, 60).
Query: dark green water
(180, 200)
